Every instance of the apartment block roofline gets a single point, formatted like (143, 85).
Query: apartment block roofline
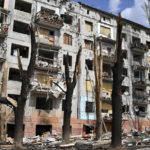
(115, 16)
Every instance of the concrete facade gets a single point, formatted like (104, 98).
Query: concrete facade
(61, 28)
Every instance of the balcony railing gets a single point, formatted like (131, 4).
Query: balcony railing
(49, 19)
(106, 98)
(142, 114)
(107, 76)
(139, 47)
(139, 64)
(47, 63)
(108, 57)
(43, 42)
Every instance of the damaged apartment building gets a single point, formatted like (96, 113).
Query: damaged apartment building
(61, 27)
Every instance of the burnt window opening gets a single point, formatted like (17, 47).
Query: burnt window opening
(3, 19)
(139, 110)
(136, 40)
(43, 103)
(89, 64)
(107, 69)
(89, 107)
(40, 129)
(2, 3)
(138, 74)
(67, 18)
(14, 74)
(104, 110)
(124, 54)
(11, 129)
(46, 56)
(148, 76)
(23, 6)
(125, 108)
(109, 51)
(88, 128)
(63, 104)
(13, 96)
(125, 72)
(124, 37)
(148, 44)
(124, 89)
(21, 27)
(137, 57)
(47, 11)
(88, 44)
(70, 59)
(88, 11)
(24, 50)
(88, 26)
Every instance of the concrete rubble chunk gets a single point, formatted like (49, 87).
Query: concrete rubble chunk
(83, 145)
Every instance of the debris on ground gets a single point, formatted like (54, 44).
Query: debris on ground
(53, 141)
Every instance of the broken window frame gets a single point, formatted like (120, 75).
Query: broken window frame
(20, 47)
(88, 44)
(47, 34)
(89, 66)
(89, 107)
(40, 129)
(63, 104)
(148, 44)
(106, 31)
(67, 39)
(125, 72)
(42, 103)
(124, 37)
(70, 60)
(125, 108)
(88, 26)
(21, 6)
(12, 73)
(23, 25)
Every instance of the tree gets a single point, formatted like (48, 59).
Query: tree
(98, 82)
(69, 93)
(25, 77)
(146, 8)
(116, 91)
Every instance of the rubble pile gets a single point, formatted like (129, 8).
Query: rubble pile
(53, 141)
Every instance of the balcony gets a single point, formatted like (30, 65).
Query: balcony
(139, 83)
(106, 98)
(48, 19)
(139, 47)
(45, 43)
(47, 64)
(108, 58)
(139, 64)
(141, 101)
(107, 76)
(142, 114)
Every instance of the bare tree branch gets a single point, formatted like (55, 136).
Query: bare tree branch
(59, 86)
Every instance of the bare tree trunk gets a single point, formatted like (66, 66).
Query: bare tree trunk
(70, 88)
(116, 93)
(3, 128)
(98, 82)
(26, 76)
